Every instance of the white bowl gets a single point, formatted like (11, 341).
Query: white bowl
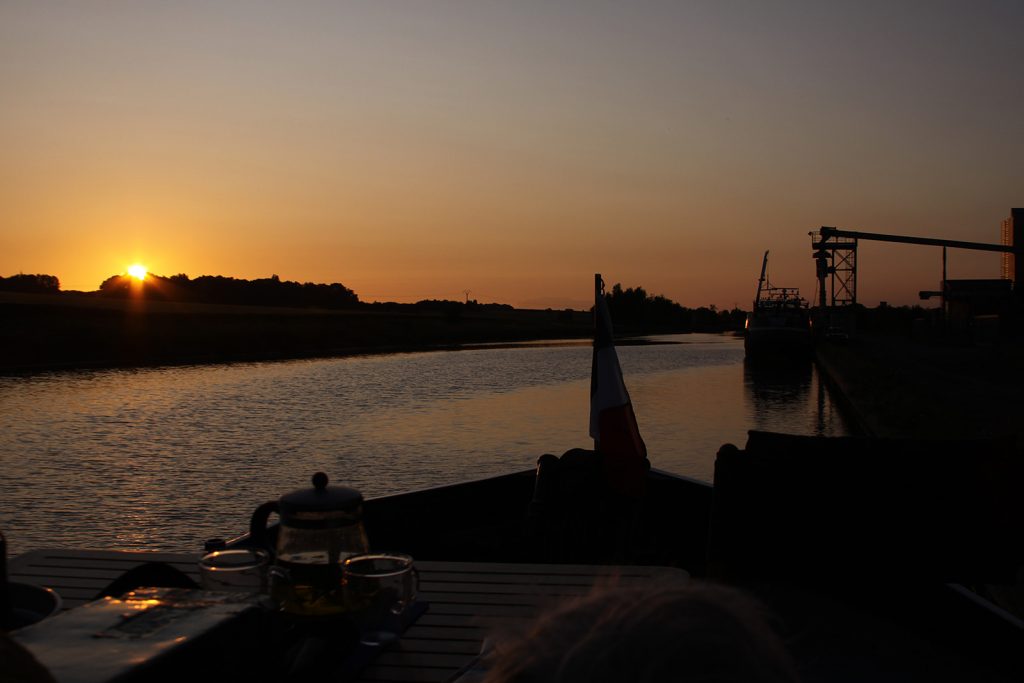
(31, 603)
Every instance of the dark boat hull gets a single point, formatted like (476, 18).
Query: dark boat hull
(859, 572)
(827, 590)
(777, 341)
(499, 519)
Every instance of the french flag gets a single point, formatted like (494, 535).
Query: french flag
(612, 421)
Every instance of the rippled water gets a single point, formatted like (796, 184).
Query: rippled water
(161, 458)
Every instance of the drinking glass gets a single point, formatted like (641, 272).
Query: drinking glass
(378, 587)
(239, 570)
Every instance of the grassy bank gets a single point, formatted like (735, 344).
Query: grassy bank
(41, 332)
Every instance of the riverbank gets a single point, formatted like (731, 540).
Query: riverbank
(51, 332)
(898, 387)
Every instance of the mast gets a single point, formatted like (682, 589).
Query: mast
(760, 281)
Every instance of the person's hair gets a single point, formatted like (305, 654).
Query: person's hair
(658, 633)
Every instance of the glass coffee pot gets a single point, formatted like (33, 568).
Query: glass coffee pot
(320, 527)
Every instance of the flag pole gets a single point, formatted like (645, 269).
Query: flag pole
(598, 286)
(613, 423)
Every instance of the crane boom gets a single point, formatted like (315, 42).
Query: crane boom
(827, 232)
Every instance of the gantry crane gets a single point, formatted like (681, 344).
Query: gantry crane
(835, 252)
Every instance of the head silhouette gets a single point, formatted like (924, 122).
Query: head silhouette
(660, 633)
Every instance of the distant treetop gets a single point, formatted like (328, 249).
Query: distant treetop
(634, 309)
(32, 284)
(217, 289)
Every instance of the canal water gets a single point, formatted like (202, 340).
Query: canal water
(162, 458)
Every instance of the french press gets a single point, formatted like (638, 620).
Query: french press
(319, 528)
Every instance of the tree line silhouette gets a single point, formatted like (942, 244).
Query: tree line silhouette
(217, 289)
(634, 309)
(30, 284)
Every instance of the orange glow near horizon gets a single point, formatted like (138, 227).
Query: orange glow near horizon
(137, 271)
(512, 149)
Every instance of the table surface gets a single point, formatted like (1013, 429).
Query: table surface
(467, 600)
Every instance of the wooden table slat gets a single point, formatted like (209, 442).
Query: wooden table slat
(410, 643)
(545, 569)
(412, 675)
(443, 578)
(131, 557)
(468, 600)
(102, 566)
(504, 589)
(469, 620)
(513, 611)
(497, 599)
(107, 575)
(473, 633)
(421, 659)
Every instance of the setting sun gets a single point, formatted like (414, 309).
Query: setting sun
(137, 271)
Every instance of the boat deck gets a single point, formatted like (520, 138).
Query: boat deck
(467, 600)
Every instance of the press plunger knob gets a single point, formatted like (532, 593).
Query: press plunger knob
(320, 481)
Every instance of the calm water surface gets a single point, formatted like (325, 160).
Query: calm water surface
(162, 458)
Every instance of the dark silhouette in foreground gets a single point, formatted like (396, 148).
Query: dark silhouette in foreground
(653, 633)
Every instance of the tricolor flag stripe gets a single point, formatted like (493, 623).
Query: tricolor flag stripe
(607, 389)
(613, 423)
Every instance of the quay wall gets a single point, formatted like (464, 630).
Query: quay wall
(898, 387)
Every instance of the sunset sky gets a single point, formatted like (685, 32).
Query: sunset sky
(417, 149)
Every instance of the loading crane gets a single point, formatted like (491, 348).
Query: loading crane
(835, 252)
